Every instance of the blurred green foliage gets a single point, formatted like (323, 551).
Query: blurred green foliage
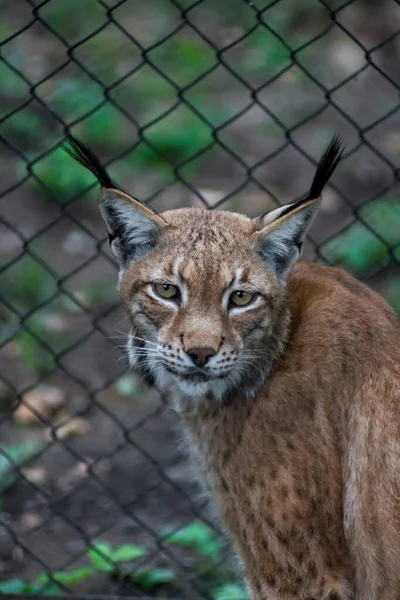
(392, 292)
(119, 560)
(229, 591)
(116, 108)
(198, 537)
(145, 96)
(183, 58)
(171, 141)
(266, 55)
(61, 175)
(31, 341)
(103, 556)
(12, 85)
(26, 285)
(75, 19)
(358, 249)
(178, 136)
(25, 124)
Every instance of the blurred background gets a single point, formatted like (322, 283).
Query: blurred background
(222, 104)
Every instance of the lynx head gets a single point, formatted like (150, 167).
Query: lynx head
(205, 290)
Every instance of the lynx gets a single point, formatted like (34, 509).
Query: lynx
(287, 380)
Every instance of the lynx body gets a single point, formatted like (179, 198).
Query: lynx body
(287, 380)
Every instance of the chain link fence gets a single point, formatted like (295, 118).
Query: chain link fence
(199, 103)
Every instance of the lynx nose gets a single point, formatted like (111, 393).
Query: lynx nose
(200, 354)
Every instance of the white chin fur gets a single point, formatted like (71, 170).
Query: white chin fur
(197, 390)
(165, 380)
(193, 389)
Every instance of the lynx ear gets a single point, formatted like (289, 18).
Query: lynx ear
(280, 233)
(132, 226)
(280, 241)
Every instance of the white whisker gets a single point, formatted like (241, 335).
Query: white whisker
(141, 350)
(135, 337)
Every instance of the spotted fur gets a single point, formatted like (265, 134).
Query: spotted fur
(291, 403)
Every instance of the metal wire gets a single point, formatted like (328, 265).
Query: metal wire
(18, 319)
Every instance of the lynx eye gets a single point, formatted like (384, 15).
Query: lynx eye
(241, 298)
(166, 290)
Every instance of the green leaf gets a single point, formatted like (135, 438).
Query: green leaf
(13, 586)
(44, 586)
(68, 577)
(229, 591)
(50, 590)
(151, 579)
(199, 537)
(101, 556)
(128, 552)
(104, 557)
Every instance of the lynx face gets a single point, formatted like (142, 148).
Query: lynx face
(205, 290)
(204, 305)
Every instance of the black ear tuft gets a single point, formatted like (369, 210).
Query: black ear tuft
(326, 166)
(87, 158)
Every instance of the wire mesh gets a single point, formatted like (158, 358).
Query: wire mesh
(222, 105)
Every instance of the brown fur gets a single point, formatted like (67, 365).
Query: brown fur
(306, 475)
(306, 471)
(294, 415)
